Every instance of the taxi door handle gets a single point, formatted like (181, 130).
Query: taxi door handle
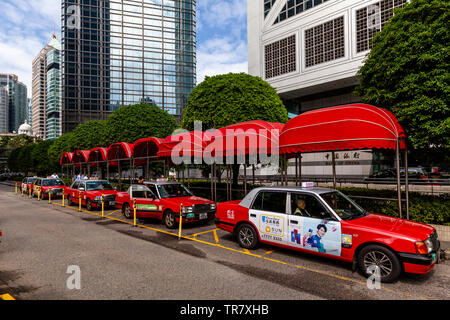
(293, 222)
(253, 215)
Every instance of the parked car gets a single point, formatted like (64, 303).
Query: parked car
(391, 175)
(47, 186)
(163, 200)
(327, 223)
(91, 192)
(27, 184)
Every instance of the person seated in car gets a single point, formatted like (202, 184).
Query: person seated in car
(301, 209)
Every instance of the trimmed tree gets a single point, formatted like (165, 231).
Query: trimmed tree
(231, 98)
(407, 71)
(134, 122)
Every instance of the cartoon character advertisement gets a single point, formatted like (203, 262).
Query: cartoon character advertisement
(317, 235)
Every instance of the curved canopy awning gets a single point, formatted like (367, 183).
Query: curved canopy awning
(145, 149)
(66, 158)
(119, 151)
(349, 127)
(80, 157)
(97, 155)
(190, 144)
(246, 138)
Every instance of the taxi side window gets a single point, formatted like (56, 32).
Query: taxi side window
(270, 201)
(153, 189)
(306, 205)
(75, 185)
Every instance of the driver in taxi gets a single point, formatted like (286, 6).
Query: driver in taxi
(301, 209)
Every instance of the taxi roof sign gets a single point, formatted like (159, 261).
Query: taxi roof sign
(307, 184)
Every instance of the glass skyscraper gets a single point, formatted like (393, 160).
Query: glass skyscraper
(53, 97)
(13, 103)
(126, 52)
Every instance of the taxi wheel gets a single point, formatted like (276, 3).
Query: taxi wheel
(88, 204)
(126, 210)
(169, 219)
(378, 259)
(247, 236)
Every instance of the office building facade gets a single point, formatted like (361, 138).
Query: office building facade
(46, 90)
(310, 51)
(119, 53)
(13, 103)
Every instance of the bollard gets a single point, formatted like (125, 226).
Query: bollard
(135, 209)
(181, 222)
(79, 201)
(16, 189)
(22, 191)
(49, 196)
(29, 191)
(63, 196)
(103, 206)
(39, 193)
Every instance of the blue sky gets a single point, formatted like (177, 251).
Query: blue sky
(27, 25)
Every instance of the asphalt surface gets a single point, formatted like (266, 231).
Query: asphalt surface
(117, 261)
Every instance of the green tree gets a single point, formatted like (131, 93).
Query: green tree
(39, 158)
(231, 98)
(59, 146)
(88, 135)
(407, 71)
(134, 122)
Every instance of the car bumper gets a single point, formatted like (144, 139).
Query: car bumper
(196, 217)
(418, 263)
(227, 226)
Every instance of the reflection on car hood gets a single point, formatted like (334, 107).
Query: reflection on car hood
(188, 201)
(415, 230)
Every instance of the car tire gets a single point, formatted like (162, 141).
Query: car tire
(88, 205)
(126, 210)
(247, 236)
(169, 219)
(375, 255)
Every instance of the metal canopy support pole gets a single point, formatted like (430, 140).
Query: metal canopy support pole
(189, 176)
(120, 175)
(399, 186)
(406, 184)
(245, 178)
(333, 163)
(212, 183)
(296, 171)
(300, 169)
(107, 170)
(253, 172)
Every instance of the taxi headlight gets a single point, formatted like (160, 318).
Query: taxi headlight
(188, 209)
(99, 198)
(213, 206)
(424, 247)
(429, 245)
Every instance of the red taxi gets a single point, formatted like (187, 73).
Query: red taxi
(47, 186)
(91, 192)
(162, 201)
(327, 223)
(27, 184)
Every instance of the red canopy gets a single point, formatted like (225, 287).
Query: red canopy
(80, 156)
(183, 144)
(349, 127)
(66, 158)
(119, 151)
(146, 148)
(252, 137)
(97, 155)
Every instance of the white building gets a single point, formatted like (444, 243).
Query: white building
(310, 51)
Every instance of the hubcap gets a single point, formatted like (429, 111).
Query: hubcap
(380, 261)
(127, 211)
(169, 219)
(246, 236)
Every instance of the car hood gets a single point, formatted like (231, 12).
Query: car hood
(188, 201)
(410, 229)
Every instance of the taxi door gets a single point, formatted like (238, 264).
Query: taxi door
(145, 202)
(311, 226)
(268, 214)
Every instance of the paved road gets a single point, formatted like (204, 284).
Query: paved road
(118, 261)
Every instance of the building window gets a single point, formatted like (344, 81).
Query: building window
(325, 42)
(294, 7)
(280, 57)
(268, 4)
(371, 20)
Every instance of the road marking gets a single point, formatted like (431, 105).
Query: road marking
(6, 297)
(216, 237)
(204, 232)
(269, 252)
(247, 252)
(110, 214)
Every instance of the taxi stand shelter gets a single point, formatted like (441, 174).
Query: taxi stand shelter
(349, 127)
(117, 154)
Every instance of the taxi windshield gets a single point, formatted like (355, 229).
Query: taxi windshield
(173, 191)
(98, 185)
(31, 180)
(141, 192)
(344, 207)
(52, 182)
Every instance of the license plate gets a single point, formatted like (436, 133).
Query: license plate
(112, 203)
(203, 216)
(433, 257)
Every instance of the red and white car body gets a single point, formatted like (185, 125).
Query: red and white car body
(27, 184)
(333, 226)
(163, 201)
(45, 186)
(91, 193)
